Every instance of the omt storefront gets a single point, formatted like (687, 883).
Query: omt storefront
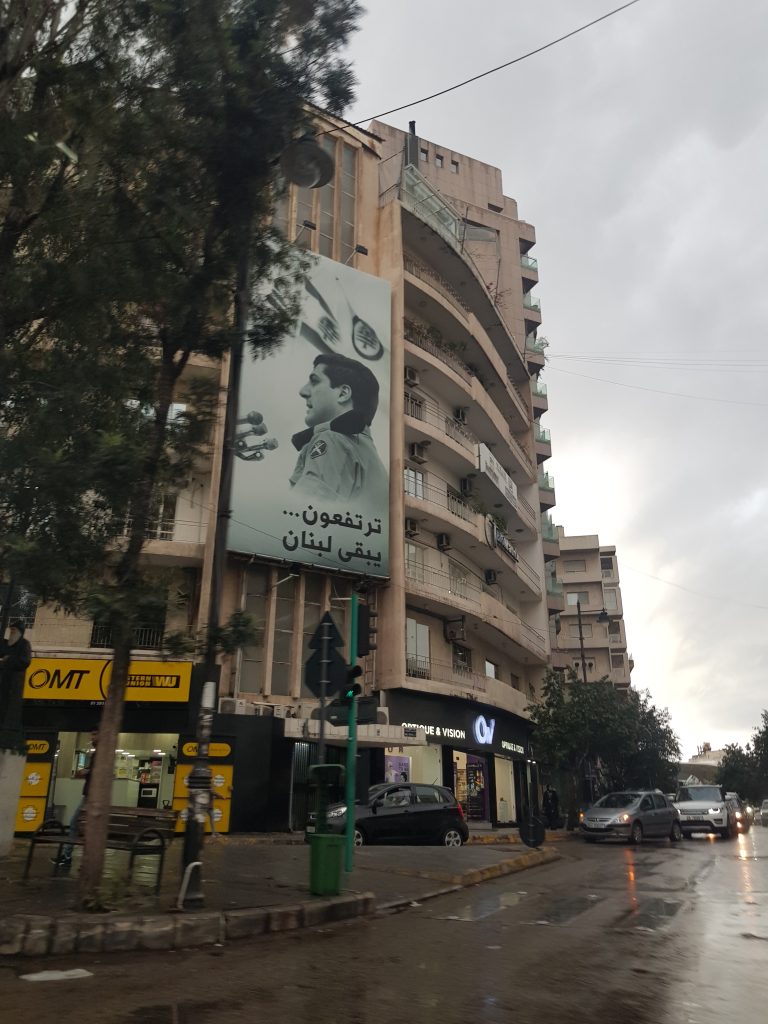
(63, 698)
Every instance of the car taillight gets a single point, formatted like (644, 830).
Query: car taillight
(461, 809)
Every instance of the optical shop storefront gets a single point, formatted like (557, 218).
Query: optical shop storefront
(63, 700)
(477, 751)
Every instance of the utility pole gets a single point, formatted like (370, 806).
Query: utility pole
(351, 775)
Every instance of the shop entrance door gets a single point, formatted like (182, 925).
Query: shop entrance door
(471, 785)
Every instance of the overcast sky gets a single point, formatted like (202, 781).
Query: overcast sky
(639, 150)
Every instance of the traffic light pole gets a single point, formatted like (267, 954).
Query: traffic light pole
(349, 844)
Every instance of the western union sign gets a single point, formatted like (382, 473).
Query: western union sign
(83, 679)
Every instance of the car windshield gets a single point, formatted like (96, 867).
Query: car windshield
(373, 791)
(711, 793)
(618, 800)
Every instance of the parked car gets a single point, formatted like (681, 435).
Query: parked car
(633, 816)
(404, 813)
(743, 816)
(706, 809)
(764, 813)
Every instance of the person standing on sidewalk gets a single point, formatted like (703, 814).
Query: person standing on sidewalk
(551, 806)
(15, 656)
(65, 861)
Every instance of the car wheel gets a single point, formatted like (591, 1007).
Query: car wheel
(359, 838)
(636, 834)
(676, 833)
(726, 832)
(452, 837)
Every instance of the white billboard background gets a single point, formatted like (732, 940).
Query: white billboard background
(344, 526)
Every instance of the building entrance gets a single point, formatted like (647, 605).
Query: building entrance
(471, 785)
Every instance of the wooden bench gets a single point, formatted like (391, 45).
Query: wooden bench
(141, 831)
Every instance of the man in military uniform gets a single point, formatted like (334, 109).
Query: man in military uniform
(337, 458)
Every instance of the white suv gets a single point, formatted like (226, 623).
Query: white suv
(706, 809)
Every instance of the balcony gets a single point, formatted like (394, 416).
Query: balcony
(145, 638)
(529, 262)
(555, 595)
(420, 667)
(542, 442)
(438, 282)
(427, 675)
(493, 482)
(441, 352)
(550, 538)
(546, 491)
(539, 399)
(531, 309)
(535, 352)
(531, 302)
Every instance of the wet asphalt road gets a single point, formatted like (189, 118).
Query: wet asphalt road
(657, 934)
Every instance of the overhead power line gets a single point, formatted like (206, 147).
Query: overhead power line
(697, 593)
(501, 67)
(658, 391)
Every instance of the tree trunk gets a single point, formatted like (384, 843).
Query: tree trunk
(100, 788)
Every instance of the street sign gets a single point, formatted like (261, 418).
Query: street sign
(336, 673)
(332, 634)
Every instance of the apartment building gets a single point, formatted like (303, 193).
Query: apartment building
(453, 557)
(589, 634)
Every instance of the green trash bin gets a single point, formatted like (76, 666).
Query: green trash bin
(325, 856)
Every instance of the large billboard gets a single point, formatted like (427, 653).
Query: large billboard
(311, 473)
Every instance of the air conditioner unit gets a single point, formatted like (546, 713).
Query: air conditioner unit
(460, 414)
(412, 378)
(467, 486)
(455, 631)
(235, 706)
(305, 710)
(417, 452)
(443, 542)
(491, 576)
(411, 528)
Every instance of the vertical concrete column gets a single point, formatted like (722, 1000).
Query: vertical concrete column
(11, 774)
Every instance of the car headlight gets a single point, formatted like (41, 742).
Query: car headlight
(581, 815)
(715, 810)
(337, 812)
(738, 815)
(750, 810)
(621, 819)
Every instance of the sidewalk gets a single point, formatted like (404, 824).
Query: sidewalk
(252, 885)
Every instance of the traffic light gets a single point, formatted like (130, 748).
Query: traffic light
(366, 630)
(351, 688)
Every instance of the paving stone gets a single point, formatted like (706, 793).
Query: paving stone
(242, 924)
(12, 931)
(121, 935)
(285, 919)
(198, 929)
(38, 935)
(157, 931)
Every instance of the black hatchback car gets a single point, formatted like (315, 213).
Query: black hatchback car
(402, 813)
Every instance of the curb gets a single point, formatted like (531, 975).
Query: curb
(35, 935)
(514, 840)
(477, 875)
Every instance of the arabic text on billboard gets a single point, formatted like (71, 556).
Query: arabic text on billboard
(311, 475)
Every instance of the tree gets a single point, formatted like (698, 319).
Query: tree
(139, 177)
(760, 753)
(577, 726)
(738, 772)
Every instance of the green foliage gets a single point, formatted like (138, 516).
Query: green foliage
(578, 725)
(738, 772)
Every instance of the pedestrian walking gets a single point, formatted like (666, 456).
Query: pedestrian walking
(551, 805)
(65, 860)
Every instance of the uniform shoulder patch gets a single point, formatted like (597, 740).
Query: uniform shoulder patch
(319, 448)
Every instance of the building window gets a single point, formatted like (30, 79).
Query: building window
(606, 563)
(285, 606)
(417, 662)
(314, 589)
(573, 629)
(577, 597)
(414, 561)
(515, 680)
(414, 483)
(348, 201)
(23, 605)
(327, 202)
(252, 671)
(491, 670)
(462, 659)
(617, 661)
(575, 565)
(438, 160)
(423, 155)
(457, 578)
(454, 166)
(610, 598)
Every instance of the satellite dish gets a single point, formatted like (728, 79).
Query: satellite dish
(307, 164)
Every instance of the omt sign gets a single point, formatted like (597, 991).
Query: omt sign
(87, 679)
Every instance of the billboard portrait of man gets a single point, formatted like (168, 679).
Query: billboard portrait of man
(320, 494)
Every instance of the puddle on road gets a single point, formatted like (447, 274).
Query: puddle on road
(650, 915)
(484, 906)
(563, 911)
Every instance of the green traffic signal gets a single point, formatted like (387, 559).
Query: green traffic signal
(353, 689)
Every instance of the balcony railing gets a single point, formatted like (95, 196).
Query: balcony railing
(546, 482)
(440, 496)
(531, 302)
(554, 586)
(438, 351)
(542, 434)
(436, 281)
(148, 637)
(539, 388)
(529, 261)
(428, 412)
(534, 344)
(548, 529)
(467, 587)
(421, 667)
(608, 574)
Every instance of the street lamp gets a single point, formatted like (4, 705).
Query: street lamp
(307, 164)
